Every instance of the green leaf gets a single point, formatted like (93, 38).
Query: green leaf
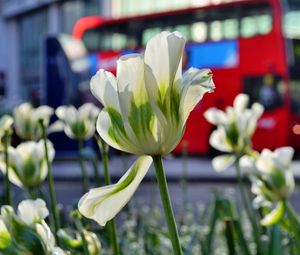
(274, 216)
(241, 238)
(275, 247)
(26, 238)
(229, 233)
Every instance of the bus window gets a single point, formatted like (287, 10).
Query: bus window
(295, 98)
(248, 27)
(264, 24)
(268, 90)
(185, 30)
(92, 40)
(149, 33)
(199, 32)
(119, 41)
(291, 24)
(230, 28)
(216, 30)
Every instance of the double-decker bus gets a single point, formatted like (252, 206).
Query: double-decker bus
(242, 41)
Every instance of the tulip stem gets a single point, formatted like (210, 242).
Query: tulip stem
(293, 216)
(249, 210)
(7, 187)
(111, 224)
(165, 198)
(85, 179)
(80, 228)
(50, 184)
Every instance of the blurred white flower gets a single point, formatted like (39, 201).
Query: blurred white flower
(272, 179)
(26, 120)
(32, 211)
(77, 124)
(235, 128)
(27, 163)
(30, 218)
(6, 122)
(74, 241)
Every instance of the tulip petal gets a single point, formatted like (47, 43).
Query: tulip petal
(102, 204)
(219, 141)
(104, 88)
(163, 56)
(196, 82)
(283, 156)
(221, 163)
(31, 211)
(111, 128)
(134, 103)
(215, 116)
(274, 216)
(240, 102)
(88, 110)
(14, 164)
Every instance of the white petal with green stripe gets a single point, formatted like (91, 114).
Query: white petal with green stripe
(102, 204)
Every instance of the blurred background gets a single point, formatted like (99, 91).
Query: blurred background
(49, 49)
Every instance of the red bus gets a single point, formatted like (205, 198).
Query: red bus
(242, 41)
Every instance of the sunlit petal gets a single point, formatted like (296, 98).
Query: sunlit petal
(102, 204)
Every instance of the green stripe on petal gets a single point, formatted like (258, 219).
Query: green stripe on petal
(102, 204)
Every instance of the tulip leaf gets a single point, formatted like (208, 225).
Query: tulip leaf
(275, 247)
(274, 216)
(26, 238)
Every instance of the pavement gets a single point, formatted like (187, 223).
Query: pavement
(196, 169)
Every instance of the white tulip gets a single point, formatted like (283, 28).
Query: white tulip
(26, 120)
(27, 163)
(146, 106)
(78, 124)
(6, 122)
(235, 128)
(145, 111)
(32, 211)
(272, 179)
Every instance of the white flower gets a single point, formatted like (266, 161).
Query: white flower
(27, 163)
(146, 106)
(78, 124)
(145, 110)
(235, 128)
(272, 180)
(26, 120)
(6, 122)
(32, 211)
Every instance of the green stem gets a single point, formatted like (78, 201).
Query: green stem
(292, 215)
(85, 180)
(32, 193)
(111, 224)
(7, 182)
(249, 210)
(165, 198)
(80, 229)
(51, 184)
